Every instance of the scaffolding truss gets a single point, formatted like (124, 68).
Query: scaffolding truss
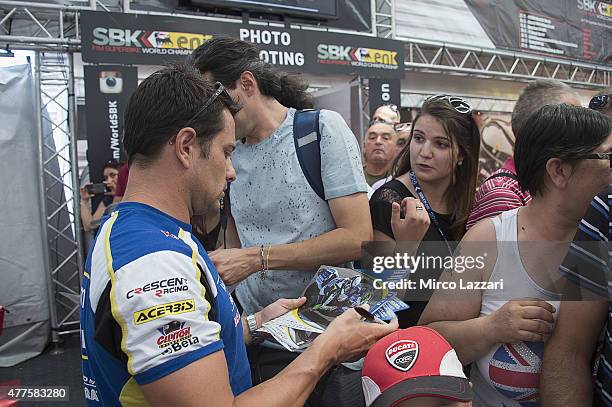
(484, 63)
(34, 25)
(384, 23)
(60, 188)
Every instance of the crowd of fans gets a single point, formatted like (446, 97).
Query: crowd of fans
(234, 140)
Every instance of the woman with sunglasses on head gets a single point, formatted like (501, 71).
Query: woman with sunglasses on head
(90, 220)
(432, 190)
(563, 159)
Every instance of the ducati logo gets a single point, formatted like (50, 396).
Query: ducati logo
(402, 354)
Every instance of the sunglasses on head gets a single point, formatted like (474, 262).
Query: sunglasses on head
(396, 126)
(392, 107)
(219, 89)
(599, 102)
(378, 120)
(459, 104)
(402, 126)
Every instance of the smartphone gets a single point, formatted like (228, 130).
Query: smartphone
(97, 189)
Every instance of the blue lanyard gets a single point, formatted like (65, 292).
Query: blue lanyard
(430, 211)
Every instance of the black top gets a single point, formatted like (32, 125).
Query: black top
(380, 211)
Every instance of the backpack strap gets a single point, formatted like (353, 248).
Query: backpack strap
(307, 139)
(502, 174)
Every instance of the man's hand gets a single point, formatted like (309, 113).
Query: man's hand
(278, 308)
(521, 320)
(349, 337)
(234, 265)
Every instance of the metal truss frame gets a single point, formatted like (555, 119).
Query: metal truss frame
(46, 25)
(384, 22)
(428, 56)
(55, 100)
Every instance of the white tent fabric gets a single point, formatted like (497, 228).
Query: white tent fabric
(23, 278)
(441, 21)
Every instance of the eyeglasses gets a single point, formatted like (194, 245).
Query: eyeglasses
(599, 102)
(219, 89)
(599, 156)
(459, 104)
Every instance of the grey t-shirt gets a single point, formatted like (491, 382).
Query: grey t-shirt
(272, 202)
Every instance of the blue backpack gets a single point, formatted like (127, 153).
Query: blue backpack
(307, 139)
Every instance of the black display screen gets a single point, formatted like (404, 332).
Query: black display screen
(319, 9)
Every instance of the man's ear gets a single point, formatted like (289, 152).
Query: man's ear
(247, 83)
(559, 172)
(186, 146)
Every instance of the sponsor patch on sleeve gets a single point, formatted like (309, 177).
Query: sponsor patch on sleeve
(159, 311)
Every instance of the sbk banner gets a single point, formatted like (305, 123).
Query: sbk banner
(384, 91)
(157, 40)
(107, 90)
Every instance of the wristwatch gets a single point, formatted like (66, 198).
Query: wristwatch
(252, 323)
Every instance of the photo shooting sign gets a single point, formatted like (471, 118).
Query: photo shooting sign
(156, 40)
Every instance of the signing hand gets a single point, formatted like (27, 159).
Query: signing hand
(415, 223)
(234, 265)
(348, 337)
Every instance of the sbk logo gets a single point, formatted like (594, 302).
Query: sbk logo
(402, 354)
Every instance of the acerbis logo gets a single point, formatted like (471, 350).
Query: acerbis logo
(161, 287)
(402, 354)
(159, 311)
(365, 57)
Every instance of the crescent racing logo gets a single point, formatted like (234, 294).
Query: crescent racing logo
(161, 287)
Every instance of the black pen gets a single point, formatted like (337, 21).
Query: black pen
(368, 316)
